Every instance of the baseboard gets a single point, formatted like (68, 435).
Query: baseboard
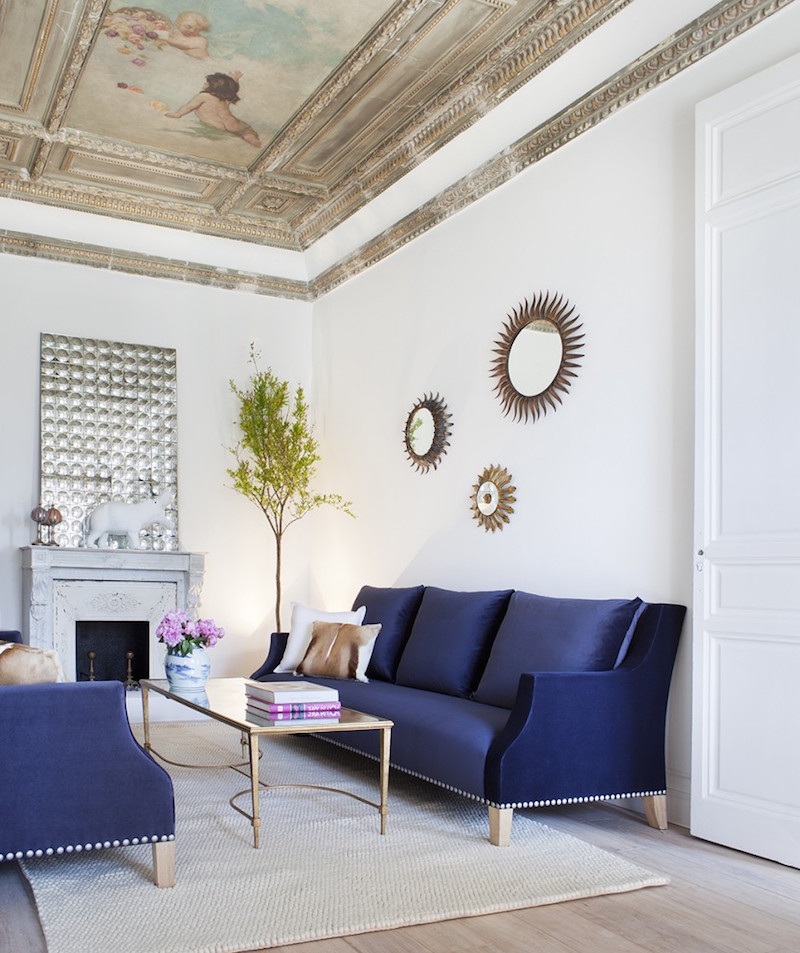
(679, 800)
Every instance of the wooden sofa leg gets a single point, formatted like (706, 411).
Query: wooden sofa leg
(500, 819)
(164, 863)
(655, 810)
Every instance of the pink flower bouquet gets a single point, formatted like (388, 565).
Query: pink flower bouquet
(181, 636)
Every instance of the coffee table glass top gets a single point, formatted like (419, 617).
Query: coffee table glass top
(224, 700)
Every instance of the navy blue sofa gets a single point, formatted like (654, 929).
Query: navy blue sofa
(516, 700)
(74, 778)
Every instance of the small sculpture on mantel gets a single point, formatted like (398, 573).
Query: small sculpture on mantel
(46, 521)
(127, 519)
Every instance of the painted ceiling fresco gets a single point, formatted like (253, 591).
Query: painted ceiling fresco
(265, 120)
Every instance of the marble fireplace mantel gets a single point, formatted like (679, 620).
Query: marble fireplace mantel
(63, 586)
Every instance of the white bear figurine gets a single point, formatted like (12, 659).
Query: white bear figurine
(128, 519)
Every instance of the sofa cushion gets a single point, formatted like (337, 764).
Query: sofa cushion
(450, 640)
(395, 610)
(439, 737)
(303, 617)
(542, 634)
(25, 665)
(339, 650)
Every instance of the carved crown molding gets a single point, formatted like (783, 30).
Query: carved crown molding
(77, 253)
(718, 26)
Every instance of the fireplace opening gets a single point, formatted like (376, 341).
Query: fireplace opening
(112, 650)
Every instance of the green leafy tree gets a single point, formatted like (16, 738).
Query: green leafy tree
(276, 458)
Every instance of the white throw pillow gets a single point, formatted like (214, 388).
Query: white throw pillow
(303, 618)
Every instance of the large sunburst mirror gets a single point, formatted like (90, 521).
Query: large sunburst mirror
(492, 497)
(427, 431)
(537, 356)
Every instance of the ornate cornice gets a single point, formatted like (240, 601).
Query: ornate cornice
(524, 53)
(724, 22)
(78, 253)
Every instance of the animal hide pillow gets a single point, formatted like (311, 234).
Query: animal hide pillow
(339, 650)
(23, 665)
(303, 617)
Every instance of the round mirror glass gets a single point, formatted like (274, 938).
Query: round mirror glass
(421, 431)
(426, 432)
(487, 498)
(535, 357)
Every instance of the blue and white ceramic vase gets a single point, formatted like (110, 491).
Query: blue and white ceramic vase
(188, 673)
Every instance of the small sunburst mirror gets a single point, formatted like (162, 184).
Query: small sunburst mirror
(427, 431)
(492, 497)
(537, 356)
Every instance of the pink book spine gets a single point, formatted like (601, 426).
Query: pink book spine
(304, 710)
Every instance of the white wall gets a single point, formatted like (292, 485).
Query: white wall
(604, 499)
(604, 484)
(211, 330)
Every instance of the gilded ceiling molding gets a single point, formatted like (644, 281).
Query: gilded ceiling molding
(77, 253)
(121, 205)
(724, 22)
(526, 51)
(87, 31)
(360, 58)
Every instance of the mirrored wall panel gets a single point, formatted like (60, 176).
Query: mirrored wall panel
(108, 431)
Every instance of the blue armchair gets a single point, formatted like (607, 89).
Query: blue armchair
(74, 778)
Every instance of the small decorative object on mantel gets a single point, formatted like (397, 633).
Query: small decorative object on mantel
(426, 432)
(537, 355)
(186, 663)
(492, 497)
(115, 518)
(45, 521)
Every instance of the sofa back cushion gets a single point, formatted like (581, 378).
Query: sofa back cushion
(394, 609)
(542, 634)
(450, 640)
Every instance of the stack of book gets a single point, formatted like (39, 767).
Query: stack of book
(274, 703)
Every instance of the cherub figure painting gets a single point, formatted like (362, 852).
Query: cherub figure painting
(185, 34)
(212, 105)
(167, 77)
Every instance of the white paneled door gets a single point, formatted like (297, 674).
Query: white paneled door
(746, 697)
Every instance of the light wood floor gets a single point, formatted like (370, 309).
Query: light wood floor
(719, 901)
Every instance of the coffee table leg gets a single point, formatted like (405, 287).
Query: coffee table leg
(252, 741)
(386, 743)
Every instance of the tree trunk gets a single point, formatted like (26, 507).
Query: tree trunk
(277, 582)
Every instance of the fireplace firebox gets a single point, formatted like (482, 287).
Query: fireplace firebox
(108, 650)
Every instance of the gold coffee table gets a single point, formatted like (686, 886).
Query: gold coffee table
(224, 701)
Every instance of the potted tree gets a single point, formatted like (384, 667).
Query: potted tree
(276, 458)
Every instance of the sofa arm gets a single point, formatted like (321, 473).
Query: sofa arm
(72, 774)
(277, 646)
(590, 735)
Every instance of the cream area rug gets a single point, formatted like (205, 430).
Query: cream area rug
(323, 868)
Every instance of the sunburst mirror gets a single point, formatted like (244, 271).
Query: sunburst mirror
(492, 497)
(427, 431)
(537, 356)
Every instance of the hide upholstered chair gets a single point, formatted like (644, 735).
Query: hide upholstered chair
(75, 779)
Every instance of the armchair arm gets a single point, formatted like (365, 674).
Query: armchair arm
(72, 774)
(277, 646)
(590, 735)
